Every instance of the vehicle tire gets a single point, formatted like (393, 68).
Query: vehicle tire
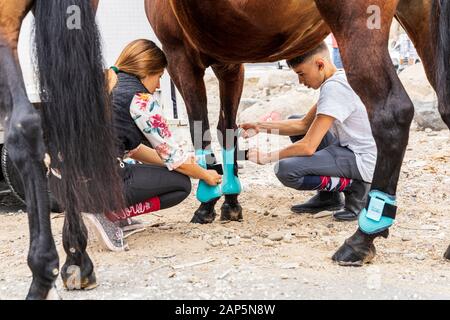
(15, 184)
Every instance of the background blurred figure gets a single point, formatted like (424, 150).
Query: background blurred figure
(401, 48)
(336, 54)
(408, 53)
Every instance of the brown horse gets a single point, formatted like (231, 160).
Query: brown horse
(224, 34)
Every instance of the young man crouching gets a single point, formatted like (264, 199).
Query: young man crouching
(333, 149)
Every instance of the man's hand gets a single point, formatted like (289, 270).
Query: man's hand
(259, 157)
(250, 129)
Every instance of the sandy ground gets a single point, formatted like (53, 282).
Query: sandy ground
(238, 260)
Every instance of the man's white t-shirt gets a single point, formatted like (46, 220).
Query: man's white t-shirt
(351, 127)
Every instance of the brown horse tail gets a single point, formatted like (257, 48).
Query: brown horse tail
(76, 113)
(441, 30)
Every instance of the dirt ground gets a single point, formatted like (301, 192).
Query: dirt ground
(273, 253)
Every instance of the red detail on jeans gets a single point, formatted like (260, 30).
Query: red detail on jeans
(325, 182)
(150, 205)
(345, 182)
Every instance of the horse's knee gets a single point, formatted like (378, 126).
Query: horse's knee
(393, 120)
(404, 112)
(24, 124)
(25, 137)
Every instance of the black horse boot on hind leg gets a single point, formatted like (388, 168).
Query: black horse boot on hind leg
(355, 201)
(322, 201)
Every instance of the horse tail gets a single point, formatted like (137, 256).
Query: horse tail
(76, 115)
(441, 30)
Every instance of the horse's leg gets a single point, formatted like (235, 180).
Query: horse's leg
(427, 26)
(445, 112)
(26, 149)
(188, 77)
(441, 72)
(371, 74)
(78, 270)
(231, 79)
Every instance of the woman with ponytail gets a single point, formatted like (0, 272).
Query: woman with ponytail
(160, 178)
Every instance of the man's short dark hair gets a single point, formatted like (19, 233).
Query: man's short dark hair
(292, 63)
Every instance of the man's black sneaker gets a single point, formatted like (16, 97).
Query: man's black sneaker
(322, 201)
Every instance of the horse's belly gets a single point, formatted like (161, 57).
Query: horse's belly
(266, 30)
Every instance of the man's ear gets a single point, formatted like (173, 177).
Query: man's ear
(320, 64)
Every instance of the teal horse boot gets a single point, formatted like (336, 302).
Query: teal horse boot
(205, 192)
(379, 214)
(231, 185)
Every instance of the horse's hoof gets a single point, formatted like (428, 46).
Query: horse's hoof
(86, 284)
(204, 216)
(72, 279)
(356, 251)
(447, 254)
(231, 212)
(349, 256)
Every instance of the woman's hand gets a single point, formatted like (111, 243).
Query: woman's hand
(250, 129)
(212, 178)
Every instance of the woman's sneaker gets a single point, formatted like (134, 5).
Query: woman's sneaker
(107, 231)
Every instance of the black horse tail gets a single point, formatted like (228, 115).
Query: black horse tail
(76, 113)
(441, 30)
